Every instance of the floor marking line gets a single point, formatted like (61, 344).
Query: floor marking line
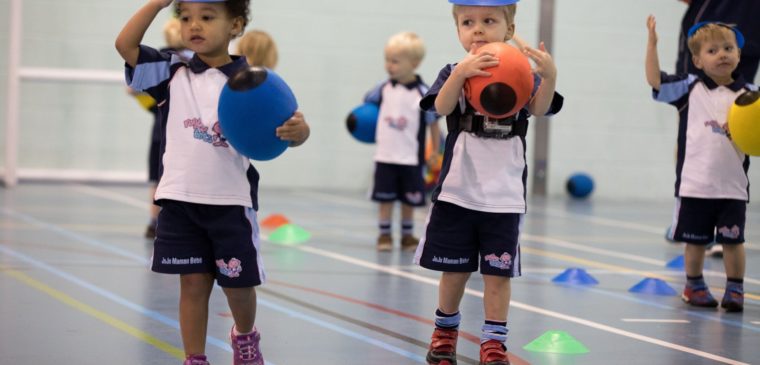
(93, 312)
(530, 308)
(462, 334)
(619, 224)
(359, 323)
(610, 253)
(645, 320)
(617, 268)
(211, 340)
(156, 316)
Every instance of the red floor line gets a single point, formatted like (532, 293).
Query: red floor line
(466, 335)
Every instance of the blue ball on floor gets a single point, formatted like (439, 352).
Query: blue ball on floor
(253, 103)
(580, 185)
(362, 122)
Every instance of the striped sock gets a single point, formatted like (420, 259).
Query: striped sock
(384, 226)
(494, 330)
(696, 281)
(407, 227)
(447, 321)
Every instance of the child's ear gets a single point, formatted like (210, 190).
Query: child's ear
(697, 62)
(237, 27)
(510, 32)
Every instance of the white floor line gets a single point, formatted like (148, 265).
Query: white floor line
(660, 231)
(523, 306)
(332, 198)
(646, 320)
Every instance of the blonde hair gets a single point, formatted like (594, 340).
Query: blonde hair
(711, 31)
(509, 12)
(258, 48)
(409, 43)
(173, 34)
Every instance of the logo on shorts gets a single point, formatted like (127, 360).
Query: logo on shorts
(415, 197)
(231, 269)
(732, 233)
(503, 262)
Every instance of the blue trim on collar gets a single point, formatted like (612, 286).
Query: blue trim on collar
(198, 66)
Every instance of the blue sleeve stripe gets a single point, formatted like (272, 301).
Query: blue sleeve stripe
(674, 90)
(147, 75)
(374, 96)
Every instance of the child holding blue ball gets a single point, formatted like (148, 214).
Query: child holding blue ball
(207, 229)
(400, 139)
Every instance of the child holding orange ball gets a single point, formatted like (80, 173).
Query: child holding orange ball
(479, 204)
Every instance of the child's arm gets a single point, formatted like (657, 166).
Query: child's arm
(435, 144)
(652, 60)
(547, 70)
(128, 41)
(472, 65)
(294, 130)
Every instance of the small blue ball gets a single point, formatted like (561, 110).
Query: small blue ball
(253, 103)
(362, 122)
(580, 185)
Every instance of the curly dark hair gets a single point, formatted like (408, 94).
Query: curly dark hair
(235, 8)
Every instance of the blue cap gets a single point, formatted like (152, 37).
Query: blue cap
(695, 27)
(483, 2)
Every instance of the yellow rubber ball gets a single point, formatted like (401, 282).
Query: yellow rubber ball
(744, 122)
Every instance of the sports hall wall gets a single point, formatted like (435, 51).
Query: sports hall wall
(331, 53)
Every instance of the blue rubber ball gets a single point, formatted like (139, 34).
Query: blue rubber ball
(580, 185)
(362, 122)
(254, 102)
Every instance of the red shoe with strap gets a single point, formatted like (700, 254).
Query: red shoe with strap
(443, 347)
(493, 352)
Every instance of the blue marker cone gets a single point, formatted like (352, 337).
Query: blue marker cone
(575, 276)
(676, 263)
(653, 286)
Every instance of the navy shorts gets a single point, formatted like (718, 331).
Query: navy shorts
(702, 221)
(399, 182)
(459, 240)
(218, 239)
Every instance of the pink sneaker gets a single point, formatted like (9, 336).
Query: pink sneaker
(196, 360)
(245, 348)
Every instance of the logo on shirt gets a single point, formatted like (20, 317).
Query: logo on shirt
(732, 233)
(201, 132)
(716, 127)
(399, 123)
(231, 269)
(503, 262)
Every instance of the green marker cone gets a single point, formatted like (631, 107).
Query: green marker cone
(558, 342)
(289, 234)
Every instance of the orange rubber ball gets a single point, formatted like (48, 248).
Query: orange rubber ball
(508, 88)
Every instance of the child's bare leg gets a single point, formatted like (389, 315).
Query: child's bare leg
(242, 302)
(385, 212)
(195, 290)
(451, 290)
(496, 297)
(407, 212)
(734, 260)
(694, 259)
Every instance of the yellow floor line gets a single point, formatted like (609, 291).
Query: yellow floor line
(89, 310)
(615, 268)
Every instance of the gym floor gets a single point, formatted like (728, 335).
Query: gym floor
(75, 287)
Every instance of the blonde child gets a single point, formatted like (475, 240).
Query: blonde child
(400, 139)
(479, 203)
(208, 192)
(259, 49)
(712, 188)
